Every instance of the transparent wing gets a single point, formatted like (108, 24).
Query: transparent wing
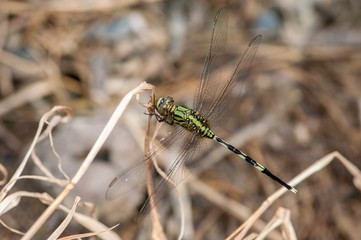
(177, 148)
(225, 102)
(208, 86)
(177, 173)
(134, 176)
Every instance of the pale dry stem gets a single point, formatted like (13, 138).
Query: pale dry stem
(281, 218)
(92, 234)
(87, 161)
(4, 173)
(240, 232)
(45, 134)
(59, 230)
(228, 205)
(21, 167)
(157, 228)
(96, 227)
(11, 229)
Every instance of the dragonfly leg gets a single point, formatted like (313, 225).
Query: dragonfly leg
(166, 119)
(161, 118)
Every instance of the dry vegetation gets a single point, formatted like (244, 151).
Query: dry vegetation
(299, 115)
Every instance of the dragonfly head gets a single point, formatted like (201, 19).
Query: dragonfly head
(163, 105)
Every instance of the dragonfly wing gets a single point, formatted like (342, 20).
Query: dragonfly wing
(127, 181)
(177, 173)
(134, 176)
(225, 101)
(209, 84)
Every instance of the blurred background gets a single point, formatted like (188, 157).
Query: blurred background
(301, 101)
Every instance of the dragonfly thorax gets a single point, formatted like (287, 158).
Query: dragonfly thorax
(187, 118)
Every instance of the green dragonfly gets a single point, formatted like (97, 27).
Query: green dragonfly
(213, 102)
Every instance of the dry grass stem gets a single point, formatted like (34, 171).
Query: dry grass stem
(89, 158)
(230, 206)
(12, 200)
(41, 166)
(47, 133)
(84, 6)
(207, 223)
(92, 224)
(317, 166)
(60, 229)
(322, 163)
(88, 235)
(11, 229)
(21, 167)
(20, 64)
(59, 182)
(57, 156)
(157, 228)
(282, 218)
(25, 95)
(5, 174)
(98, 234)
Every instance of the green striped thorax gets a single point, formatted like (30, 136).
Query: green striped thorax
(187, 118)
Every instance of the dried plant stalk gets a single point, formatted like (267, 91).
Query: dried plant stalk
(240, 232)
(87, 161)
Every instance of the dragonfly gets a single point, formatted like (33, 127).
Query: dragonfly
(212, 104)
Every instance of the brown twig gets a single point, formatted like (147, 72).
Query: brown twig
(157, 228)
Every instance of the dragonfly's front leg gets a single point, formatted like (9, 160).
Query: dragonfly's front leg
(160, 118)
(166, 119)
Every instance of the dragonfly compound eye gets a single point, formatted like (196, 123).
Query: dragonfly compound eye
(160, 102)
(163, 105)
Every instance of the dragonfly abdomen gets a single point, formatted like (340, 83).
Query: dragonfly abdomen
(254, 163)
